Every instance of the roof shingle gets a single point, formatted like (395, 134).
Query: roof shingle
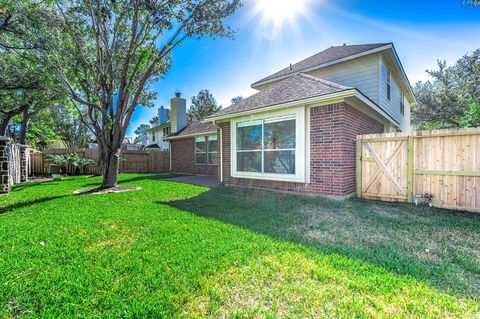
(329, 55)
(295, 88)
(195, 128)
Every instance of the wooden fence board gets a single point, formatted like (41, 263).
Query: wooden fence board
(130, 161)
(444, 163)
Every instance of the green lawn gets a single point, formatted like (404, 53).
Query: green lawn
(176, 250)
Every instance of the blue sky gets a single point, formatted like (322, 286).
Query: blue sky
(422, 32)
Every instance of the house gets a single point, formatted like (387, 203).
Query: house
(157, 134)
(298, 132)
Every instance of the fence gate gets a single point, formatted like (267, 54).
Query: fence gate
(383, 170)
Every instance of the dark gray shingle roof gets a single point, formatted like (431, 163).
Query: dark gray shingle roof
(329, 55)
(195, 128)
(295, 88)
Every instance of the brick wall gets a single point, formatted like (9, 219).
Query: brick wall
(333, 129)
(183, 159)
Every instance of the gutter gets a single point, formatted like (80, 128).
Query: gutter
(343, 94)
(221, 150)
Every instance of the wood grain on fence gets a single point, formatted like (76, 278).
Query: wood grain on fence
(398, 166)
(130, 161)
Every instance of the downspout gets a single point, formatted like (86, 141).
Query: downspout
(221, 151)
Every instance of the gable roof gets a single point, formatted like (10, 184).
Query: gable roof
(295, 88)
(329, 55)
(194, 128)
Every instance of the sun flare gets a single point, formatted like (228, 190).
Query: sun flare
(279, 11)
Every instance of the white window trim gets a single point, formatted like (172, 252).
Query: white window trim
(300, 149)
(205, 137)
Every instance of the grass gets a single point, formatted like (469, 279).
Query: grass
(177, 250)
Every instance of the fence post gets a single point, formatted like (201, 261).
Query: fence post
(410, 168)
(359, 166)
(23, 163)
(4, 165)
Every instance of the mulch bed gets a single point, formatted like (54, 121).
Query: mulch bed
(118, 189)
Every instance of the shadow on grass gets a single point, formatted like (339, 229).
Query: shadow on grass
(143, 177)
(19, 205)
(438, 247)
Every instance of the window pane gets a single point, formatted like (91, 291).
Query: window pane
(279, 135)
(249, 161)
(212, 158)
(200, 158)
(212, 145)
(200, 145)
(279, 162)
(249, 136)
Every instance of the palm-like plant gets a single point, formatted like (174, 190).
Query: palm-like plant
(69, 159)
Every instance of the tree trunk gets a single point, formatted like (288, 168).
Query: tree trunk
(110, 173)
(4, 126)
(24, 127)
(101, 155)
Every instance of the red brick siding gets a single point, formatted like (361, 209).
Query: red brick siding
(183, 159)
(333, 129)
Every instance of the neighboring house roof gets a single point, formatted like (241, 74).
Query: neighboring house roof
(328, 56)
(154, 145)
(295, 88)
(194, 128)
(160, 126)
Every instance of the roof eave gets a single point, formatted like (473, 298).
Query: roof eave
(159, 126)
(323, 65)
(343, 94)
(189, 135)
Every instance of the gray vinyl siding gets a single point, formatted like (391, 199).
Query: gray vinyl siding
(392, 106)
(361, 73)
(368, 74)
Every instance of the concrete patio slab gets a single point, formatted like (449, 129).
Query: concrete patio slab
(202, 180)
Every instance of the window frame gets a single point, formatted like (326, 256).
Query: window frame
(402, 103)
(301, 152)
(206, 152)
(389, 84)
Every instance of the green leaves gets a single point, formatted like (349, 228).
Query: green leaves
(450, 99)
(203, 105)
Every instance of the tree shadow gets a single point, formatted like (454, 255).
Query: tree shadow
(143, 177)
(427, 244)
(19, 205)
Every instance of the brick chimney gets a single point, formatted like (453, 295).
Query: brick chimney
(178, 115)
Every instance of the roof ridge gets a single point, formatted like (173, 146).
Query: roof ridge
(368, 47)
(326, 82)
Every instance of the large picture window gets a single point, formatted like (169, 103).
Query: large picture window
(267, 145)
(206, 150)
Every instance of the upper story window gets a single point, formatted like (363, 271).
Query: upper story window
(153, 136)
(166, 131)
(270, 147)
(402, 103)
(389, 87)
(206, 150)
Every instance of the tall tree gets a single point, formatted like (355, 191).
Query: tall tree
(237, 99)
(202, 105)
(141, 132)
(27, 83)
(111, 51)
(450, 96)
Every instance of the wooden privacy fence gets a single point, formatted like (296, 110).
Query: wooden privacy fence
(130, 161)
(399, 166)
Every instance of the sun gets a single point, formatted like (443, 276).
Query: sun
(277, 12)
